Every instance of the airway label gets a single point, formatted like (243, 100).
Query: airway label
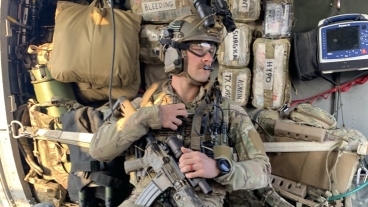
(364, 51)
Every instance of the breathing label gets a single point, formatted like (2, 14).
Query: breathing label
(268, 74)
(227, 84)
(244, 5)
(240, 87)
(234, 50)
(156, 6)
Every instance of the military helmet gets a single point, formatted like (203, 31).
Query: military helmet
(174, 42)
(192, 29)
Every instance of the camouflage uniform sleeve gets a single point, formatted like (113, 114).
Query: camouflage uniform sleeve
(111, 140)
(253, 169)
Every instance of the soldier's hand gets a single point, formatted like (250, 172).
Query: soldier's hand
(169, 113)
(202, 165)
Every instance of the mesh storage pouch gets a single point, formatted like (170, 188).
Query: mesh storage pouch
(305, 52)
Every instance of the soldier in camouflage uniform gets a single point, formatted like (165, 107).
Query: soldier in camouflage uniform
(182, 94)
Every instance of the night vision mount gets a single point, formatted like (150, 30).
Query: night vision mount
(218, 8)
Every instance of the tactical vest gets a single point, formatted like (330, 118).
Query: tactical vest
(187, 134)
(155, 95)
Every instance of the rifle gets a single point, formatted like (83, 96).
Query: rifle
(168, 174)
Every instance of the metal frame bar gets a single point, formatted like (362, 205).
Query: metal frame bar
(15, 191)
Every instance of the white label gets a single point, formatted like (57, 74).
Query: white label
(155, 6)
(227, 84)
(274, 18)
(244, 5)
(285, 22)
(240, 88)
(268, 74)
(234, 50)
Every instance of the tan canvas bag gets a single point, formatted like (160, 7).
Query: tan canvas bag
(83, 45)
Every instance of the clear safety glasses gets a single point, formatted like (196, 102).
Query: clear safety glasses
(201, 48)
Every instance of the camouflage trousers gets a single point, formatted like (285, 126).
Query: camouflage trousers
(216, 199)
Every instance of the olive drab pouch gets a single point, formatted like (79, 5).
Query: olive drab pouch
(271, 81)
(83, 45)
(235, 84)
(265, 123)
(149, 43)
(234, 52)
(245, 10)
(307, 114)
(162, 11)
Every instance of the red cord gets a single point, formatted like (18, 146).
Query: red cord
(325, 95)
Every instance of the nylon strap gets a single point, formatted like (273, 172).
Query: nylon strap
(195, 142)
(65, 137)
(85, 166)
(105, 180)
(304, 146)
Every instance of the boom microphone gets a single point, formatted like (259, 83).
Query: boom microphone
(206, 67)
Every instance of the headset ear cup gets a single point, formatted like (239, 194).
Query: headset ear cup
(173, 61)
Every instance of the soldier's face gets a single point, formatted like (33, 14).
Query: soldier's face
(196, 64)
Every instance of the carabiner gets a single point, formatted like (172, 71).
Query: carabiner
(358, 175)
(12, 128)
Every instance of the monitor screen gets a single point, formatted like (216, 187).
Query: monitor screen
(345, 38)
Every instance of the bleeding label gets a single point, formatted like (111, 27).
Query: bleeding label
(227, 84)
(268, 74)
(244, 5)
(155, 6)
